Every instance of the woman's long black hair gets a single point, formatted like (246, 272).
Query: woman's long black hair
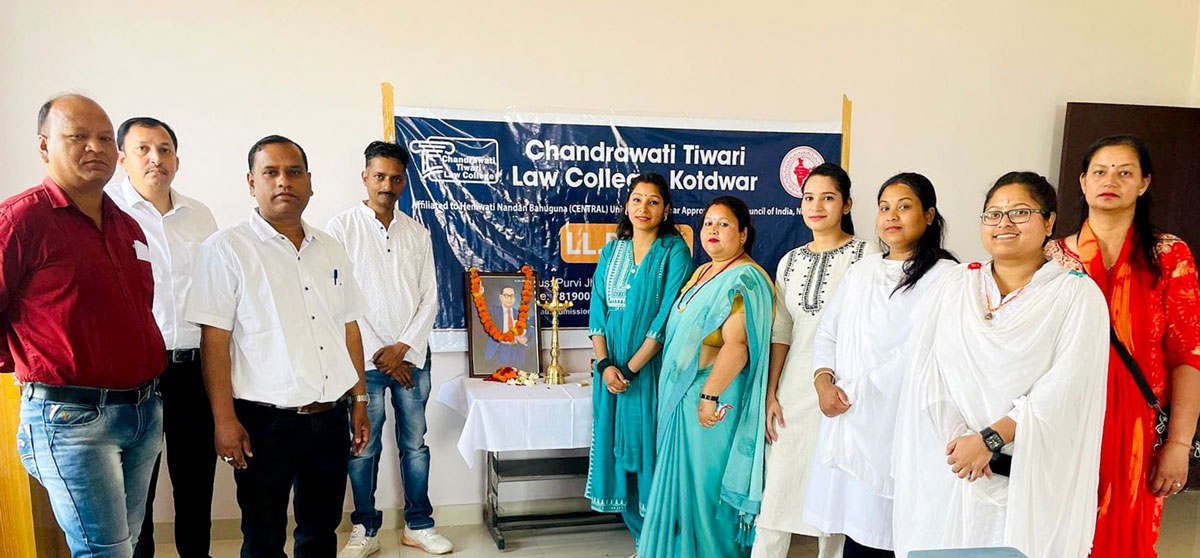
(929, 248)
(667, 226)
(1145, 234)
(842, 180)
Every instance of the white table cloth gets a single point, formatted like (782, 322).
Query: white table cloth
(501, 417)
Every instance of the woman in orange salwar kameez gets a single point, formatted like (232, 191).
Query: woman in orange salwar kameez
(1149, 280)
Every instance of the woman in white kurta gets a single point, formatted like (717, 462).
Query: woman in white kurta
(806, 279)
(1009, 372)
(860, 356)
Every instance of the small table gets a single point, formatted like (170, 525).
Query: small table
(502, 418)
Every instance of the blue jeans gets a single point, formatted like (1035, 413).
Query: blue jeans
(409, 408)
(95, 462)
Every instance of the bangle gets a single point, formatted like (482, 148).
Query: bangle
(1186, 445)
(603, 365)
(821, 373)
(708, 397)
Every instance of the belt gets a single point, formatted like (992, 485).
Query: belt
(81, 395)
(180, 356)
(310, 409)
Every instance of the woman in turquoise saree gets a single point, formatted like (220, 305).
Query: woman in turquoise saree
(636, 279)
(708, 476)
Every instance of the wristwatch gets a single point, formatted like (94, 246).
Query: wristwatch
(364, 398)
(992, 439)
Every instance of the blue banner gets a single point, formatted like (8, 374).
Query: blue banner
(498, 191)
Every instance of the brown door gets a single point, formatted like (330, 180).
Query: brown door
(1173, 134)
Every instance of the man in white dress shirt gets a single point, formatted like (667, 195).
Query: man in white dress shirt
(174, 226)
(392, 256)
(277, 303)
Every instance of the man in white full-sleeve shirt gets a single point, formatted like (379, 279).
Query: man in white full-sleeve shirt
(174, 226)
(392, 258)
(277, 304)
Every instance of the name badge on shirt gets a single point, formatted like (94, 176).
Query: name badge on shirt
(141, 251)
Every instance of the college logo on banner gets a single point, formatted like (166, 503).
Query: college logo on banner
(457, 160)
(499, 191)
(795, 168)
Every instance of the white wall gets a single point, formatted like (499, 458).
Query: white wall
(1196, 67)
(961, 91)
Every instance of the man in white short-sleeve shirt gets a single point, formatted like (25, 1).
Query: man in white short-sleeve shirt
(174, 226)
(392, 256)
(277, 304)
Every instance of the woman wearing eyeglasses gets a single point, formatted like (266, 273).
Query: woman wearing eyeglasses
(1149, 280)
(998, 434)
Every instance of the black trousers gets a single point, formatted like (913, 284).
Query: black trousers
(855, 550)
(191, 462)
(308, 453)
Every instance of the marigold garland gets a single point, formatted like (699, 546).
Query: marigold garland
(485, 317)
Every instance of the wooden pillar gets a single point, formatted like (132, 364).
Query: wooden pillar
(389, 112)
(846, 109)
(26, 519)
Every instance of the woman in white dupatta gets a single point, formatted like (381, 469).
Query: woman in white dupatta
(860, 356)
(1010, 359)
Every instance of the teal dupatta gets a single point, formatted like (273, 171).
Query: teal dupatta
(623, 425)
(708, 483)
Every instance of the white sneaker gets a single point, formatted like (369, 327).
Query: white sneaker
(359, 545)
(427, 540)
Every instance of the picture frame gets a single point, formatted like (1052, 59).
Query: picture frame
(485, 353)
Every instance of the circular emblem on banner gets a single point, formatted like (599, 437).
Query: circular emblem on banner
(795, 168)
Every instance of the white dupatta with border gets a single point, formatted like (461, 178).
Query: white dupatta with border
(1042, 361)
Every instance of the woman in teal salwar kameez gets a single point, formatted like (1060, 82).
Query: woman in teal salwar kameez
(637, 278)
(708, 476)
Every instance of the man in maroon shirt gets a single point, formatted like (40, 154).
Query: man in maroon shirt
(75, 310)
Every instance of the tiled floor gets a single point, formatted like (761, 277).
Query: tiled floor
(1180, 539)
(473, 541)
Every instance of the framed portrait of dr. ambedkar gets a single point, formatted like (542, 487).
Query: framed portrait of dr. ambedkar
(502, 321)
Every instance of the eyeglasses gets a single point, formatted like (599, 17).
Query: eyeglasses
(1016, 216)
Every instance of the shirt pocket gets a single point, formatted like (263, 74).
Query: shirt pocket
(335, 293)
(144, 278)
